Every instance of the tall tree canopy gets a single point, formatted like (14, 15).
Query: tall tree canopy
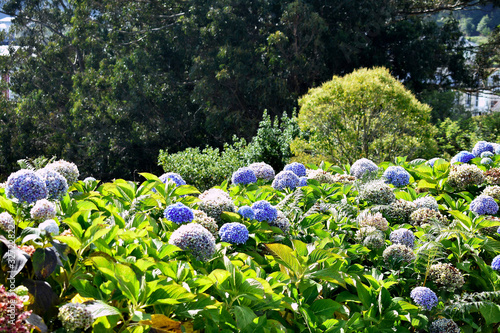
(108, 83)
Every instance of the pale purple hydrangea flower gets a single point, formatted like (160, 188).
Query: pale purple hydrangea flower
(195, 238)
(67, 169)
(403, 236)
(262, 170)
(43, 210)
(7, 222)
(364, 168)
(484, 205)
(495, 263)
(285, 179)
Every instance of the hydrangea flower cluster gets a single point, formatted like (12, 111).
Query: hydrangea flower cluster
(424, 297)
(43, 210)
(26, 186)
(366, 219)
(6, 222)
(495, 263)
(403, 236)
(423, 216)
(203, 219)
(364, 168)
(486, 161)
(497, 148)
(74, 316)
(377, 192)
(427, 202)
(285, 179)
(179, 213)
(321, 176)
(234, 233)
(281, 222)
(487, 154)
(195, 238)
(481, 147)
(56, 184)
(376, 238)
(29, 249)
(50, 226)
(397, 176)
(444, 325)
(13, 322)
(302, 182)
(244, 176)
(462, 176)
(493, 176)
(462, 157)
(446, 275)
(89, 179)
(67, 169)
(484, 205)
(264, 211)
(343, 179)
(262, 170)
(173, 176)
(398, 211)
(297, 168)
(374, 241)
(246, 212)
(397, 254)
(214, 202)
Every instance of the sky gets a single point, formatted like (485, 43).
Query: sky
(4, 21)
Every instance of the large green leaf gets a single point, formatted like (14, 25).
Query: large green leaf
(284, 255)
(490, 312)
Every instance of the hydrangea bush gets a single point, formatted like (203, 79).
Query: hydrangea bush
(256, 258)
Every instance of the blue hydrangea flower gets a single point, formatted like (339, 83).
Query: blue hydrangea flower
(495, 263)
(487, 154)
(285, 179)
(262, 170)
(234, 233)
(244, 176)
(297, 168)
(482, 146)
(57, 185)
(424, 297)
(403, 236)
(364, 167)
(195, 238)
(486, 161)
(484, 205)
(463, 157)
(26, 186)
(179, 213)
(397, 176)
(264, 211)
(50, 226)
(246, 212)
(175, 177)
(302, 182)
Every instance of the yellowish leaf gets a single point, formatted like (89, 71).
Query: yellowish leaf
(80, 299)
